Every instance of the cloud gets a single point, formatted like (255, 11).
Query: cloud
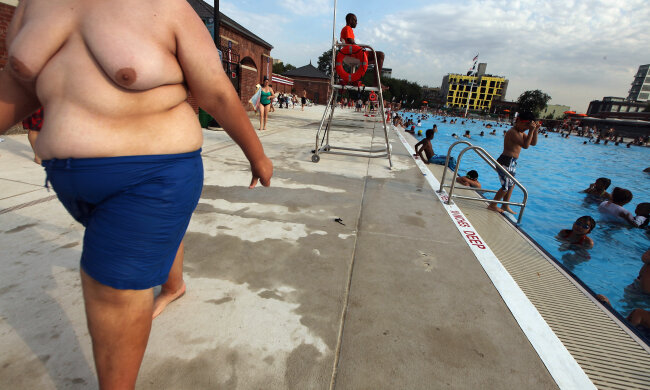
(306, 7)
(575, 50)
(258, 23)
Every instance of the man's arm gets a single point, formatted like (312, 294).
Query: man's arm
(211, 87)
(532, 134)
(537, 126)
(16, 101)
(629, 218)
(419, 144)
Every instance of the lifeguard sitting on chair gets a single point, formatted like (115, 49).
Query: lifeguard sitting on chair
(347, 36)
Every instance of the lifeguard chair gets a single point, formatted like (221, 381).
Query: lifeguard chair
(357, 56)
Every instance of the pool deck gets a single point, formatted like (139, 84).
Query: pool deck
(280, 295)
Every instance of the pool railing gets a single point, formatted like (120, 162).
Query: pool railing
(493, 164)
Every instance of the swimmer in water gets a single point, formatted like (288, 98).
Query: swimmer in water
(469, 180)
(577, 235)
(599, 188)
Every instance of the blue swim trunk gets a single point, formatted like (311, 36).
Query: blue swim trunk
(136, 210)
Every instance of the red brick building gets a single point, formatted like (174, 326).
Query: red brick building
(246, 57)
(312, 80)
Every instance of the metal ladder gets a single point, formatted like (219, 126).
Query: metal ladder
(493, 164)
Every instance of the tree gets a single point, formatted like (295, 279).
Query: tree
(533, 101)
(325, 62)
(280, 67)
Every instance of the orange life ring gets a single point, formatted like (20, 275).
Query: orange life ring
(373, 96)
(355, 52)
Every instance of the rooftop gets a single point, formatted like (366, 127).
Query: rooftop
(306, 71)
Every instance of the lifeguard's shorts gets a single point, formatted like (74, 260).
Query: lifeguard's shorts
(136, 210)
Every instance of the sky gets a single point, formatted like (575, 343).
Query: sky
(576, 51)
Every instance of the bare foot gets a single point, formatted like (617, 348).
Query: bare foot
(493, 207)
(507, 209)
(165, 298)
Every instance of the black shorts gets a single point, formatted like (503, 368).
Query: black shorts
(303, 100)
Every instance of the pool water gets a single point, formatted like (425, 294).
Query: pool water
(554, 172)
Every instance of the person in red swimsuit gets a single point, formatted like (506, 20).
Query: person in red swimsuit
(347, 36)
(33, 124)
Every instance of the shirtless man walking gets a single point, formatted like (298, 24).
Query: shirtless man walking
(514, 140)
(121, 145)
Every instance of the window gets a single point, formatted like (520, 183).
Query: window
(646, 88)
(644, 96)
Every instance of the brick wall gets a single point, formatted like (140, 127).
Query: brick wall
(253, 55)
(249, 79)
(6, 12)
(317, 89)
(284, 88)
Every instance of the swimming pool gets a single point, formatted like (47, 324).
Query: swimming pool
(554, 172)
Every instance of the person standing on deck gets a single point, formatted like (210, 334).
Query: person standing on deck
(514, 140)
(121, 145)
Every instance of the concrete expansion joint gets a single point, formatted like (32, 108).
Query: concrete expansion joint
(346, 299)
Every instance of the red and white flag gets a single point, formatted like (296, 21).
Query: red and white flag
(475, 58)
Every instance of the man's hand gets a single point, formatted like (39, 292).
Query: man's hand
(262, 170)
(646, 257)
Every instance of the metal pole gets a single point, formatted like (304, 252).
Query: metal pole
(333, 47)
(217, 38)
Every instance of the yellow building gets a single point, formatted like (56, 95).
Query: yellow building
(485, 89)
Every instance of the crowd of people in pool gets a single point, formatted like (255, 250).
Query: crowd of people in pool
(610, 205)
(595, 135)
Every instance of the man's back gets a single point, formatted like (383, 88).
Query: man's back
(511, 143)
